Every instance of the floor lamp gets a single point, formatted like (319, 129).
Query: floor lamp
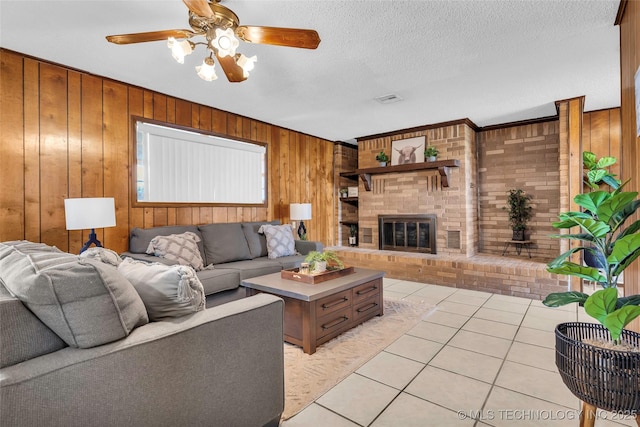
(90, 213)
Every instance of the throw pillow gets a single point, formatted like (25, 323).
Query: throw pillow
(280, 241)
(182, 248)
(85, 302)
(166, 290)
(103, 255)
(224, 243)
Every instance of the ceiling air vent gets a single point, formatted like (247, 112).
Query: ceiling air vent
(388, 99)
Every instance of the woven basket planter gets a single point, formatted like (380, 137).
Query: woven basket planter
(607, 379)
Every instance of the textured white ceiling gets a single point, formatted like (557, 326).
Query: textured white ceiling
(490, 61)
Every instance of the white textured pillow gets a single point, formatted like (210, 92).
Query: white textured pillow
(103, 255)
(165, 290)
(182, 248)
(280, 241)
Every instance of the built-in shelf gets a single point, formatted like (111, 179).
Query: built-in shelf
(441, 165)
(350, 175)
(350, 200)
(349, 223)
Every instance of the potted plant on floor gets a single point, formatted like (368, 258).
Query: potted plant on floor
(519, 212)
(595, 360)
(321, 261)
(382, 158)
(431, 153)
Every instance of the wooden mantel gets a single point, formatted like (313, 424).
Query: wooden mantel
(441, 165)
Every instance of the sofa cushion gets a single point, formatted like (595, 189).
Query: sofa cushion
(85, 302)
(22, 335)
(224, 243)
(167, 291)
(219, 279)
(280, 241)
(103, 255)
(182, 248)
(252, 268)
(141, 237)
(257, 242)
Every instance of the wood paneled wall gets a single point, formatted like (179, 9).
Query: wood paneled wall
(66, 133)
(629, 21)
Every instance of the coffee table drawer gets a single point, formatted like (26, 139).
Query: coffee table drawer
(333, 322)
(366, 309)
(366, 290)
(333, 303)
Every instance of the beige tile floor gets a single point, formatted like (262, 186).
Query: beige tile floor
(478, 360)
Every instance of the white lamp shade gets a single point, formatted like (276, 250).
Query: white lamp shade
(90, 212)
(300, 211)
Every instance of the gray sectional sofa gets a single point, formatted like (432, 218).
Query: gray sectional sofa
(77, 349)
(236, 250)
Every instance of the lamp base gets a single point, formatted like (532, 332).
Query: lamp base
(302, 231)
(92, 239)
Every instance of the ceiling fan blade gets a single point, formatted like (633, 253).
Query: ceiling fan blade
(292, 37)
(199, 7)
(233, 71)
(151, 36)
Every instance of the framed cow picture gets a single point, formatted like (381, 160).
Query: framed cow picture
(411, 150)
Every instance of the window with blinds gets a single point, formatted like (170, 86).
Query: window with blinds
(176, 165)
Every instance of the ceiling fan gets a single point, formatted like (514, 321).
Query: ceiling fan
(221, 28)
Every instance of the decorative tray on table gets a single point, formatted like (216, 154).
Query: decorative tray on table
(294, 274)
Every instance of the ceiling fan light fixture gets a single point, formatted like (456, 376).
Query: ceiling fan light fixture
(225, 42)
(246, 63)
(207, 71)
(179, 49)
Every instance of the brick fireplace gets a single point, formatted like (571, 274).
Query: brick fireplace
(422, 192)
(407, 233)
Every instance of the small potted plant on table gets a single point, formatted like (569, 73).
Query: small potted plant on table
(519, 212)
(600, 363)
(382, 158)
(321, 261)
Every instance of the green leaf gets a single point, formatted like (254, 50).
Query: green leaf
(582, 236)
(630, 300)
(597, 229)
(601, 303)
(596, 175)
(624, 248)
(632, 229)
(567, 219)
(573, 269)
(621, 216)
(560, 260)
(589, 159)
(611, 181)
(605, 162)
(616, 321)
(615, 205)
(591, 201)
(558, 299)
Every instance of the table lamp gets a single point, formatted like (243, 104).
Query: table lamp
(90, 213)
(300, 212)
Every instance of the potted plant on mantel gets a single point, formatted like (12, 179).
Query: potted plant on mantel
(600, 363)
(431, 153)
(382, 158)
(519, 212)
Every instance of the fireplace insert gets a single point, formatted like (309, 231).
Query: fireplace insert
(407, 233)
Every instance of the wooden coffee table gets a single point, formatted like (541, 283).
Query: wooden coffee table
(314, 314)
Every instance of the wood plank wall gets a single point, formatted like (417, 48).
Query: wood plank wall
(66, 133)
(629, 21)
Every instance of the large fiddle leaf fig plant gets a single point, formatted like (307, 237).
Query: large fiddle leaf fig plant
(601, 232)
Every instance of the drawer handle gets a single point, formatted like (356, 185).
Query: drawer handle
(371, 289)
(333, 304)
(367, 307)
(335, 323)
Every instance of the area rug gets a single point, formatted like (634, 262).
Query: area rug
(307, 377)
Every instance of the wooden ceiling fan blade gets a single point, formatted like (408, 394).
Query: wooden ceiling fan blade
(150, 36)
(232, 70)
(199, 7)
(291, 37)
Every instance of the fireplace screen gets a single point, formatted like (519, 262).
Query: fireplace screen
(408, 233)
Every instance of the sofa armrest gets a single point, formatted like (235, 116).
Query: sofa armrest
(220, 366)
(148, 258)
(306, 246)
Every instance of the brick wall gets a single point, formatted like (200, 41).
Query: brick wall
(524, 157)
